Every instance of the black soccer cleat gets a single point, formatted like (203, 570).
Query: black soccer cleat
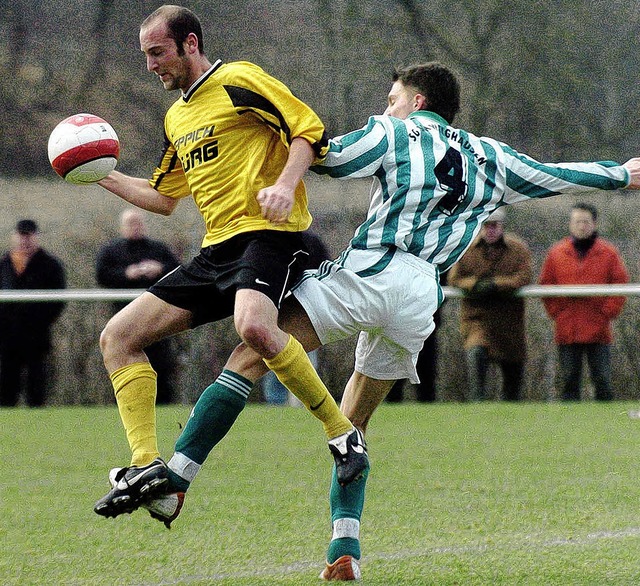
(131, 487)
(350, 454)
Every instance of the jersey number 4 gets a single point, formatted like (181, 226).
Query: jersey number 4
(450, 175)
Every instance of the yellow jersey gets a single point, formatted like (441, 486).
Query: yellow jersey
(226, 138)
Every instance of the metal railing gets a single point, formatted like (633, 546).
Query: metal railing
(529, 291)
(81, 377)
(564, 290)
(15, 295)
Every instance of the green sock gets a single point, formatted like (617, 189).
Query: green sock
(212, 417)
(346, 503)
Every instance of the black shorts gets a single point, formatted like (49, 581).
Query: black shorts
(269, 261)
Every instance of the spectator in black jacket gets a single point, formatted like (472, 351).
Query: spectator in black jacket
(25, 327)
(134, 261)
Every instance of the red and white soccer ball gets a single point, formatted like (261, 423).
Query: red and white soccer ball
(83, 149)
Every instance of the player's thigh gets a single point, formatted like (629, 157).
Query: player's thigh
(254, 309)
(147, 319)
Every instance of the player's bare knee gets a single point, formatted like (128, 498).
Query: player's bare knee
(255, 336)
(115, 340)
(108, 341)
(259, 338)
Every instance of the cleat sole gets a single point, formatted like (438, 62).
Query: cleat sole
(152, 487)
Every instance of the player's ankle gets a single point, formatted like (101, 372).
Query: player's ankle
(343, 546)
(177, 483)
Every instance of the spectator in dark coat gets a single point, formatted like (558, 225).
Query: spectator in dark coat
(25, 328)
(135, 261)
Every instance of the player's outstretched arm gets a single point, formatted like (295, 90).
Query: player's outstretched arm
(633, 166)
(138, 192)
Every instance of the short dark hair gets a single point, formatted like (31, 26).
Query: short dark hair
(26, 227)
(586, 207)
(437, 83)
(180, 23)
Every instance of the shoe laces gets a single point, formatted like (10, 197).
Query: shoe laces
(120, 474)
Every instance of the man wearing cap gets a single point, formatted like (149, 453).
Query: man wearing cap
(25, 328)
(492, 318)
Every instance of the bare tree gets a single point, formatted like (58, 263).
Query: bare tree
(95, 66)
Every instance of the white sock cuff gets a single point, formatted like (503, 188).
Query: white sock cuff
(346, 528)
(183, 466)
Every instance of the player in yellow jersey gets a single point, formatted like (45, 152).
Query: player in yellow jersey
(238, 142)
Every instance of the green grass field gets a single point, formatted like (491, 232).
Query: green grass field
(490, 494)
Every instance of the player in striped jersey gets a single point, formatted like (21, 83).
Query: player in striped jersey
(433, 186)
(238, 141)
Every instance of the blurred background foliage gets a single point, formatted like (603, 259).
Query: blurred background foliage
(557, 79)
(554, 79)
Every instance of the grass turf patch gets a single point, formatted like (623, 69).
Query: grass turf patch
(479, 494)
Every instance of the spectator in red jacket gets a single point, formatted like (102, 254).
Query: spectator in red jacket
(583, 324)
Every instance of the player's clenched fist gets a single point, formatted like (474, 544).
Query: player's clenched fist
(276, 203)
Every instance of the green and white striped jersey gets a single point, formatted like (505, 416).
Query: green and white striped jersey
(434, 185)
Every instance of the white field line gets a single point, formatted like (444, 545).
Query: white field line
(511, 544)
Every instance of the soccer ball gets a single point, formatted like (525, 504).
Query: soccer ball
(83, 149)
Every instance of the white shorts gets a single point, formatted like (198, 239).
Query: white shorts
(391, 309)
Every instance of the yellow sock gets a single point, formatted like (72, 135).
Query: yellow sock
(295, 371)
(135, 389)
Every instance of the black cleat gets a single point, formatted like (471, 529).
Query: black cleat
(350, 454)
(131, 487)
